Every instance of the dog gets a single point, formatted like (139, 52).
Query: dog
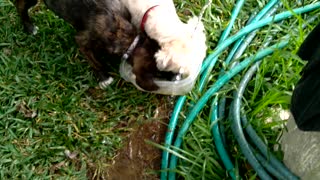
(104, 32)
(182, 45)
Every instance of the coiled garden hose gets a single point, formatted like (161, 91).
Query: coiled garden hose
(234, 54)
(225, 34)
(272, 163)
(208, 63)
(254, 26)
(211, 91)
(239, 48)
(244, 145)
(218, 140)
(181, 100)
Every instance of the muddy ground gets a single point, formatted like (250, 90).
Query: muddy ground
(137, 159)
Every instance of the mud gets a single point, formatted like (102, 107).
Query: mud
(139, 160)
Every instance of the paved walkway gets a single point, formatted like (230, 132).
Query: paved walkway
(302, 151)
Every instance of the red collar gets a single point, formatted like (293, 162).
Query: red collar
(145, 17)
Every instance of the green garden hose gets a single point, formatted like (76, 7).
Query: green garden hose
(272, 163)
(234, 54)
(211, 91)
(224, 35)
(208, 63)
(181, 100)
(239, 135)
(218, 140)
(251, 27)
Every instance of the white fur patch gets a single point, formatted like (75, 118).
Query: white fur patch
(183, 52)
(35, 30)
(182, 45)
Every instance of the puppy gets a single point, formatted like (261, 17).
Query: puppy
(103, 32)
(183, 45)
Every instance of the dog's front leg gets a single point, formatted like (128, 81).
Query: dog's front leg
(104, 79)
(84, 41)
(22, 7)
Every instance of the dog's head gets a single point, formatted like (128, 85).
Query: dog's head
(185, 50)
(144, 64)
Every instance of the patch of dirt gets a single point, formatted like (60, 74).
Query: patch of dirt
(95, 93)
(25, 110)
(139, 160)
(7, 51)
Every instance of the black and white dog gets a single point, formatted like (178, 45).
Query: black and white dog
(103, 30)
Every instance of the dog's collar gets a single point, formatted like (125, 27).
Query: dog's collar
(145, 17)
(133, 45)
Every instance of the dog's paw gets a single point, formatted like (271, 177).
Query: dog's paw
(105, 83)
(181, 57)
(31, 29)
(173, 58)
(35, 30)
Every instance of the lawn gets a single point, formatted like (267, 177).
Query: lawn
(51, 105)
(55, 123)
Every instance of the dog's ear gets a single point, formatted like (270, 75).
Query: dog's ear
(310, 48)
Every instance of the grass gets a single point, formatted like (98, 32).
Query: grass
(56, 124)
(267, 93)
(45, 76)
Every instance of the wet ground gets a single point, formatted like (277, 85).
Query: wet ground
(139, 160)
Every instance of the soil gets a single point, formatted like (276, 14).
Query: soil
(139, 160)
